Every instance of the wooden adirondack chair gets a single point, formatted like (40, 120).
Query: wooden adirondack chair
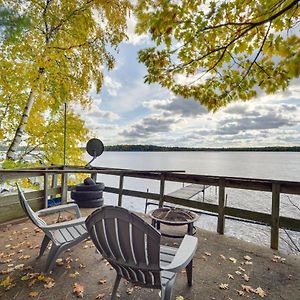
(133, 248)
(63, 235)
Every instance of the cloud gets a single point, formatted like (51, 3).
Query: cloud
(241, 109)
(266, 121)
(112, 86)
(178, 105)
(149, 126)
(134, 38)
(98, 115)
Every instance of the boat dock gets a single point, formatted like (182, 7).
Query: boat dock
(186, 192)
(189, 191)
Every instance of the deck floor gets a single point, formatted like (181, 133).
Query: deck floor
(224, 268)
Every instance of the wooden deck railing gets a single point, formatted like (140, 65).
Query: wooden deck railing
(9, 208)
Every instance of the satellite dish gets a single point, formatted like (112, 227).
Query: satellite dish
(94, 148)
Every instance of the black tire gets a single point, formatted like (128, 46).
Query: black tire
(86, 195)
(90, 203)
(89, 181)
(97, 187)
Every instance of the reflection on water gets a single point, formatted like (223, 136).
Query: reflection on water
(266, 165)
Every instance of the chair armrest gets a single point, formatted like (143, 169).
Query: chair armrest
(64, 224)
(59, 208)
(183, 255)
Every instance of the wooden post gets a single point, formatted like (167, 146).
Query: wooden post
(221, 208)
(64, 188)
(53, 184)
(275, 215)
(162, 190)
(46, 195)
(121, 189)
(94, 176)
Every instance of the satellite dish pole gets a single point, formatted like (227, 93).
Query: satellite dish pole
(65, 134)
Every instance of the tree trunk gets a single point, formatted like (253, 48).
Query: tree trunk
(11, 152)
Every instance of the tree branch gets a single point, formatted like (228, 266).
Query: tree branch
(72, 14)
(250, 26)
(258, 53)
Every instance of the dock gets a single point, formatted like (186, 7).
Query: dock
(189, 191)
(186, 192)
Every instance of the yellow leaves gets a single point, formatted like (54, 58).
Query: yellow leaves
(24, 257)
(277, 258)
(129, 290)
(19, 266)
(249, 289)
(70, 62)
(33, 294)
(222, 256)
(74, 275)
(224, 286)
(247, 257)
(259, 291)
(232, 259)
(179, 298)
(246, 277)
(102, 281)
(59, 262)
(7, 283)
(207, 43)
(49, 285)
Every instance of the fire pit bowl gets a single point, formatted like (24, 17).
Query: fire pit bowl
(173, 216)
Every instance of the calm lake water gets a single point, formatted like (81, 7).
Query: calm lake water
(266, 165)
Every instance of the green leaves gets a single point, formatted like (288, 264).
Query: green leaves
(12, 24)
(239, 47)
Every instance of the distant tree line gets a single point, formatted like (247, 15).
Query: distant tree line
(153, 148)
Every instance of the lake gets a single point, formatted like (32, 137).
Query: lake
(265, 165)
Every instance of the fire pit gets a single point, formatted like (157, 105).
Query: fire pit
(174, 217)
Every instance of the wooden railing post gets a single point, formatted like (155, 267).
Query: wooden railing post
(53, 183)
(221, 207)
(275, 215)
(162, 189)
(64, 188)
(121, 183)
(46, 194)
(94, 176)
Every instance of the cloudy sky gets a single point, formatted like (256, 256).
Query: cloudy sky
(127, 111)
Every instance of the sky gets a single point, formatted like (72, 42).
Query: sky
(128, 111)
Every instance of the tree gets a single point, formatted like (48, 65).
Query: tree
(52, 52)
(220, 51)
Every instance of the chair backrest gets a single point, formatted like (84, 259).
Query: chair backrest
(28, 210)
(131, 245)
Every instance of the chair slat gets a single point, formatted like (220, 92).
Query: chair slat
(68, 237)
(113, 238)
(73, 232)
(81, 228)
(99, 231)
(139, 245)
(124, 238)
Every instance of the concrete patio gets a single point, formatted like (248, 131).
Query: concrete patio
(224, 268)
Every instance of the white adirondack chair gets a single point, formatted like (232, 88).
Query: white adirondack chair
(63, 235)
